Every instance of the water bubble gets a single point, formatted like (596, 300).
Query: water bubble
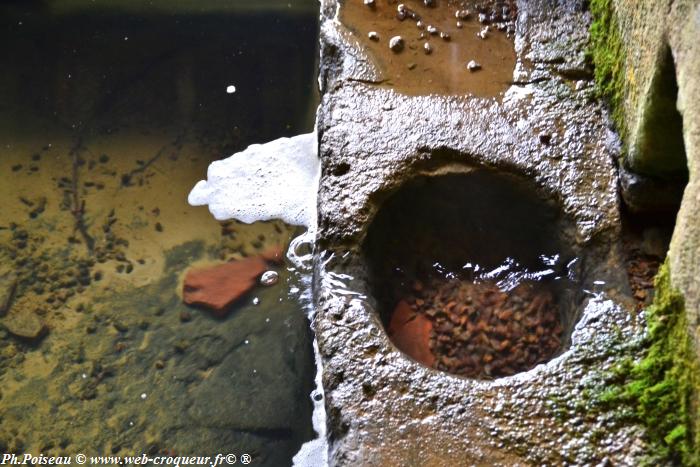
(269, 278)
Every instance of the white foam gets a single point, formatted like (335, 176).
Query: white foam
(275, 180)
(314, 453)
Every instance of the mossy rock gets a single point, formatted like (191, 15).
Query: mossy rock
(662, 389)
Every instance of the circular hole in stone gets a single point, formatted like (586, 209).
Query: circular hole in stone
(473, 273)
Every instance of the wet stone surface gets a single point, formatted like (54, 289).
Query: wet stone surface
(385, 408)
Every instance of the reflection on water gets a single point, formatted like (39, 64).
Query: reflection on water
(107, 119)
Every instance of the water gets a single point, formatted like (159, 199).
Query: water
(108, 117)
(480, 276)
(444, 69)
(276, 180)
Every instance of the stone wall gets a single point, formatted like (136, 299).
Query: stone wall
(661, 131)
(683, 34)
(652, 80)
(635, 56)
(383, 408)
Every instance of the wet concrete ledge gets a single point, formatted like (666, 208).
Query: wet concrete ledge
(385, 409)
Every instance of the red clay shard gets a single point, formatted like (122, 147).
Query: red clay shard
(410, 332)
(218, 287)
(274, 254)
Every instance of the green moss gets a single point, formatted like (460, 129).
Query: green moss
(660, 389)
(607, 53)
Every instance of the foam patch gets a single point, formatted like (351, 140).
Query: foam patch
(275, 180)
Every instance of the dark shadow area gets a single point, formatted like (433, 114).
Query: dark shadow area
(654, 177)
(104, 71)
(660, 144)
(473, 273)
(653, 198)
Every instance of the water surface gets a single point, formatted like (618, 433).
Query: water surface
(108, 116)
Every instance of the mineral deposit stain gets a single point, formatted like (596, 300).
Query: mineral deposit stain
(451, 47)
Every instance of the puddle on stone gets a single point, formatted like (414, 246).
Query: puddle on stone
(478, 279)
(108, 120)
(441, 66)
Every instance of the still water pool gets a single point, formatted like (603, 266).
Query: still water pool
(108, 117)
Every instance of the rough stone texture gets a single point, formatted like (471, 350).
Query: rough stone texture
(386, 409)
(685, 246)
(643, 30)
(649, 28)
(649, 195)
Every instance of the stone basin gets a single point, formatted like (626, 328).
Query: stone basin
(482, 259)
(547, 129)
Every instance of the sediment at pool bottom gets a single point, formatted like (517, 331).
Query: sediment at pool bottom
(476, 329)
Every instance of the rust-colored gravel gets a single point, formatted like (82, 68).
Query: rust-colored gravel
(482, 332)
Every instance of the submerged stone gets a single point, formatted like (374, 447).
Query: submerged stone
(25, 324)
(396, 44)
(411, 332)
(273, 254)
(8, 283)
